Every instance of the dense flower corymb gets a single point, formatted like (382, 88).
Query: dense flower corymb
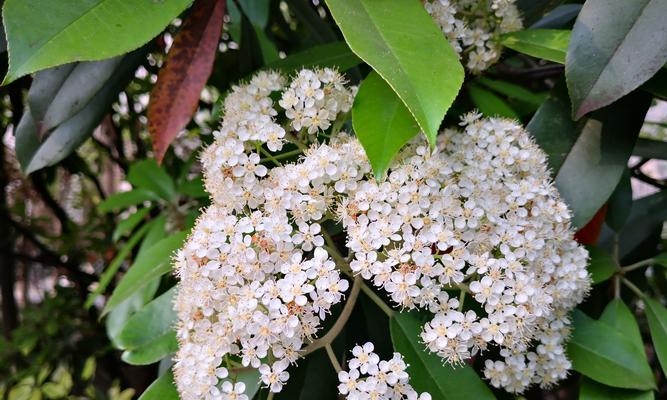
(478, 217)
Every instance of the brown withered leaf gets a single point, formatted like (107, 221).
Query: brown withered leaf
(189, 63)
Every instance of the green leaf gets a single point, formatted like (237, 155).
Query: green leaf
(489, 104)
(620, 203)
(152, 351)
(591, 153)
(66, 137)
(591, 390)
(151, 322)
(80, 87)
(558, 17)
(381, 122)
(604, 354)
(193, 188)
(617, 315)
(661, 259)
(548, 44)
(110, 271)
(116, 319)
(333, 55)
(601, 264)
(146, 174)
(125, 199)
(249, 376)
(657, 323)
(427, 371)
(413, 57)
(163, 388)
(45, 85)
(62, 31)
(154, 263)
(603, 58)
(514, 91)
(129, 223)
(257, 11)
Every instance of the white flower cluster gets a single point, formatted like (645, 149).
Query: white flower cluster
(370, 378)
(473, 27)
(315, 98)
(479, 216)
(255, 279)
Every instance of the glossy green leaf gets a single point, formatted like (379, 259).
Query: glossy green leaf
(558, 17)
(151, 322)
(65, 31)
(332, 55)
(152, 351)
(591, 390)
(118, 317)
(620, 203)
(45, 85)
(154, 263)
(381, 122)
(80, 87)
(427, 371)
(402, 43)
(513, 91)
(121, 200)
(617, 315)
(605, 355)
(146, 174)
(249, 376)
(489, 104)
(601, 264)
(548, 44)
(155, 233)
(128, 224)
(257, 11)
(591, 153)
(163, 388)
(67, 136)
(193, 188)
(113, 267)
(656, 314)
(616, 46)
(661, 259)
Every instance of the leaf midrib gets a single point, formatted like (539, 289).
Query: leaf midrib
(614, 52)
(386, 45)
(63, 29)
(611, 360)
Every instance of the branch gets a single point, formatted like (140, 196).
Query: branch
(340, 322)
(40, 187)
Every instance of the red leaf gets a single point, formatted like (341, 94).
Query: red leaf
(189, 63)
(590, 233)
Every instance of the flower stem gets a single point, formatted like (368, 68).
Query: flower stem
(332, 358)
(632, 267)
(270, 396)
(340, 322)
(634, 288)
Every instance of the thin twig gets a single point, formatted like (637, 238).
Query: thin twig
(340, 322)
(632, 287)
(332, 358)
